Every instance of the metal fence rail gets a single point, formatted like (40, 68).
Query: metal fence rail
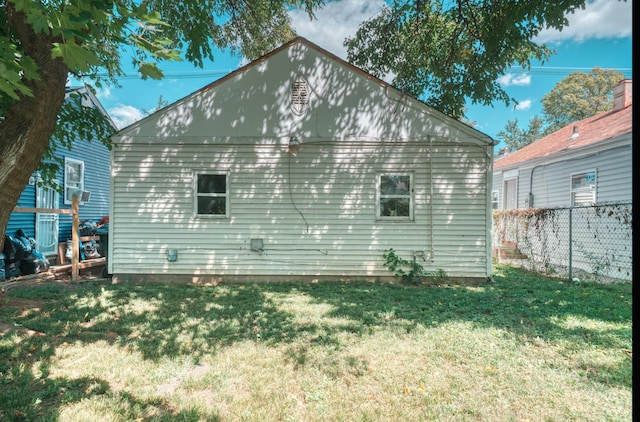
(585, 243)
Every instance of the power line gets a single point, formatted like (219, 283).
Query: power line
(560, 70)
(533, 70)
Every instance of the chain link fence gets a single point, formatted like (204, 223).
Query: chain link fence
(580, 243)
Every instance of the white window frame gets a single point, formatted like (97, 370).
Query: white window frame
(197, 195)
(71, 186)
(380, 196)
(495, 200)
(592, 188)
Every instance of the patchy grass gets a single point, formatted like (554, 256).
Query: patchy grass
(520, 348)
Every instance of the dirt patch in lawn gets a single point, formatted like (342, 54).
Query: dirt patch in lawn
(21, 306)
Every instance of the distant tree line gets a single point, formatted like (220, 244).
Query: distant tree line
(576, 97)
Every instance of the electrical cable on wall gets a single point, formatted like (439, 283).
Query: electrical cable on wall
(291, 195)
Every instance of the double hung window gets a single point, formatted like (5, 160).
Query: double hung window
(583, 188)
(73, 178)
(212, 194)
(395, 196)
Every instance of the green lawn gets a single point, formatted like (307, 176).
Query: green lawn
(520, 348)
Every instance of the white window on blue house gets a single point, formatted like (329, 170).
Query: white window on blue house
(211, 194)
(583, 188)
(395, 196)
(73, 178)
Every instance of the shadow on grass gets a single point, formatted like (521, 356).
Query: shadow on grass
(167, 321)
(25, 396)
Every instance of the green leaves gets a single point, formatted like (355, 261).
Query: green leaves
(150, 70)
(447, 52)
(14, 69)
(578, 96)
(75, 56)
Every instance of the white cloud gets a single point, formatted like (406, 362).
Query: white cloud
(336, 21)
(517, 80)
(104, 93)
(599, 19)
(523, 105)
(124, 115)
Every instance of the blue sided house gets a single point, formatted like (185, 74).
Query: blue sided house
(87, 168)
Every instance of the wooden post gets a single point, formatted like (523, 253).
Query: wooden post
(75, 239)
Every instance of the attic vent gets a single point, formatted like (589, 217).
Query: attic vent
(299, 96)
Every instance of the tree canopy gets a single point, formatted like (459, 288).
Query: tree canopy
(448, 52)
(43, 43)
(444, 52)
(516, 138)
(576, 97)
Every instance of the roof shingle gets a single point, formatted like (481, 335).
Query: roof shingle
(591, 130)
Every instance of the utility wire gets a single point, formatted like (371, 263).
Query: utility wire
(533, 70)
(291, 195)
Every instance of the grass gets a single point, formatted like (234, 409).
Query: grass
(520, 348)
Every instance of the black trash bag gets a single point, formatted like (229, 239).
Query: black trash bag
(3, 277)
(25, 245)
(9, 250)
(11, 270)
(87, 228)
(90, 250)
(34, 263)
(16, 248)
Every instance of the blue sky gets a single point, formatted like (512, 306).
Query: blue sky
(600, 35)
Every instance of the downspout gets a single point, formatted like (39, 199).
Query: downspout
(530, 199)
(489, 212)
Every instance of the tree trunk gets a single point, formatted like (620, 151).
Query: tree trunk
(27, 127)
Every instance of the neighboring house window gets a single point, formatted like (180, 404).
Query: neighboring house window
(510, 193)
(395, 197)
(212, 194)
(583, 188)
(73, 178)
(495, 200)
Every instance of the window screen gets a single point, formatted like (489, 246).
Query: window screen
(212, 194)
(395, 196)
(583, 188)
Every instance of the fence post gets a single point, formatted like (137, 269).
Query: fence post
(75, 240)
(570, 244)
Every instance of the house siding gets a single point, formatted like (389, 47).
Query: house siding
(551, 182)
(23, 220)
(355, 128)
(333, 186)
(96, 157)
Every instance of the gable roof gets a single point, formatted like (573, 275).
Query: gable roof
(89, 99)
(463, 127)
(592, 130)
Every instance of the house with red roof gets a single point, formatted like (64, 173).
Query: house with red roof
(587, 162)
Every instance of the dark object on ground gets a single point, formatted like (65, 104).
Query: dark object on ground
(35, 263)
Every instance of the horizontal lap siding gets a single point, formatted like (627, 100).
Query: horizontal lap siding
(551, 184)
(25, 221)
(460, 222)
(332, 185)
(96, 158)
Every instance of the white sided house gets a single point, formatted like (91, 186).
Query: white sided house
(298, 166)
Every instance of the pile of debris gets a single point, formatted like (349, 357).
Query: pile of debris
(20, 256)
